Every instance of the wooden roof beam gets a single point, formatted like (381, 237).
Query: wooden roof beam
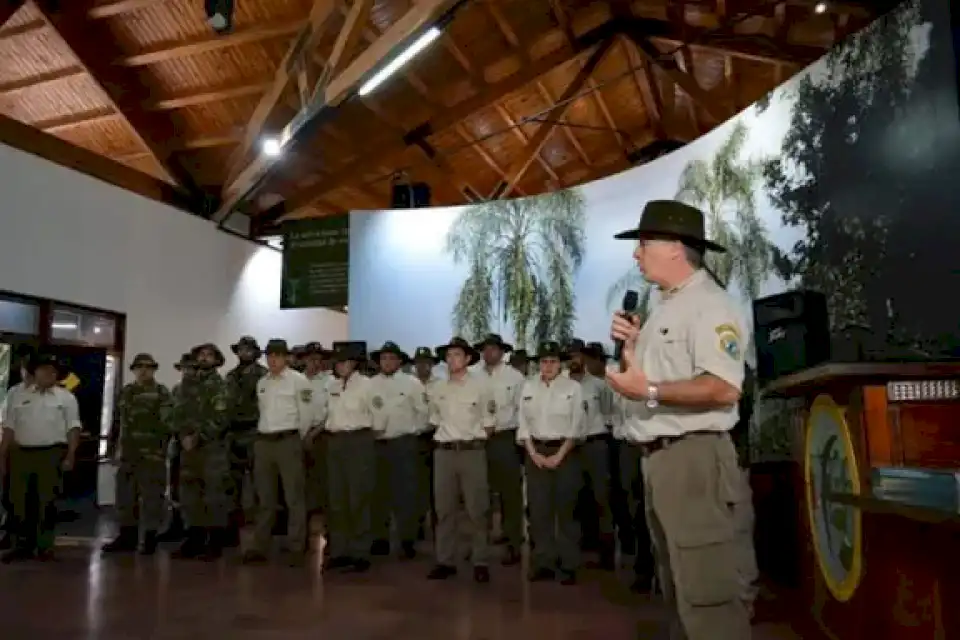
(519, 167)
(8, 8)
(327, 97)
(95, 48)
(487, 97)
(303, 43)
(204, 44)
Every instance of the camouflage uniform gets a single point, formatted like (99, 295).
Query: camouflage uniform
(206, 495)
(144, 414)
(244, 415)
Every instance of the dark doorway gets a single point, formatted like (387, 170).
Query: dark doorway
(89, 365)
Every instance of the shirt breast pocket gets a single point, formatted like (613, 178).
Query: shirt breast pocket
(669, 357)
(561, 405)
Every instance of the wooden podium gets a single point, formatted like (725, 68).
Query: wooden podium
(876, 454)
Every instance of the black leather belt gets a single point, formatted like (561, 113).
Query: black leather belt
(549, 443)
(462, 445)
(664, 442)
(597, 436)
(278, 435)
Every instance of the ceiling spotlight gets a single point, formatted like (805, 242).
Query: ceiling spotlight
(820, 8)
(220, 15)
(271, 147)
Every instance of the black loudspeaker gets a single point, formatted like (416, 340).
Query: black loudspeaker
(792, 333)
(410, 196)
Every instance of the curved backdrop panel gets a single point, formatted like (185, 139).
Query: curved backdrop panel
(843, 180)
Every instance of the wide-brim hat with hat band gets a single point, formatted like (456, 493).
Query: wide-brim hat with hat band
(493, 340)
(209, 346)
(459, 343)
(277, 346)
(44, 359)
(390, 347)
(186, 360)
(551, 349)
(355, 350)
(314, 349)
(576, 345)
(672, 219)
(144, 360)
(246, 341)
(425, 353)
(596, 350)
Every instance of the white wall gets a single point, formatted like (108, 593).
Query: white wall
(69, 237)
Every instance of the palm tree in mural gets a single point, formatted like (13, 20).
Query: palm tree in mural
(521, 257)
(723, 187)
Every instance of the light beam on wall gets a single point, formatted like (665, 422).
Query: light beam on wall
(394, 65)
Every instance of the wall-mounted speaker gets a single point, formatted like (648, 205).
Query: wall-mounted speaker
(410, 195)
(792, 333)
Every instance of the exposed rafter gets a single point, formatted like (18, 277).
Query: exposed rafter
(8, 8)
(302, 44)
(94, 47)
(556, 113)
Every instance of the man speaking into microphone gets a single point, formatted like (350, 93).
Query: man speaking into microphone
(684, 368)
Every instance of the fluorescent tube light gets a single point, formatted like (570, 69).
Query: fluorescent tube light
(64, 326)
(418, 45)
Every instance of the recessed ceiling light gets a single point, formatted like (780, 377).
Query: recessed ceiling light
(271, 147)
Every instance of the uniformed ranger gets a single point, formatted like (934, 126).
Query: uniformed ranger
(145, 419)
(351, 458)
(41, 431)
(242, 387)
(316, 443)
(174, 529)
(686, 365)
(503, 455)
(399, 404)
(286, 415)
(201, 421)
(464, 411)
(520, 361)
(594, 451)
(424, 363)
(23, 354)
(552, 414)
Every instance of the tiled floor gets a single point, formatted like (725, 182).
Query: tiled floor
(85, 595)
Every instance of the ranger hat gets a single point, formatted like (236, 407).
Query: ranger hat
(672, 219)
(493, 340)
(277, 346)
(355, 350)
(459, 343)
(551, 349)
(425, 353)
(390, 347)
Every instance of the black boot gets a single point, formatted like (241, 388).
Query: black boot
(174, 530)
(408, 550)
(149, 543)
(126, 542)
(380, 548)
(213, 549)
(6, 540)
(608, 553)
(193, 545)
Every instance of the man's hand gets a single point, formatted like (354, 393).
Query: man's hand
(67, 464)
(539, 460)
(632, 383)
(552, 462)
(189, 443)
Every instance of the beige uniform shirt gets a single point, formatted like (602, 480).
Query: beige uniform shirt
(598, 401)
(349, 404)
(40, 418)
(286, 402)
(551, 410)
(321, 397)
(506, 385)
(462, 409)
(696, 329)
(428, 385)
(399, 404)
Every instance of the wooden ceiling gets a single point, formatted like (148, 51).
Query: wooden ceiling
(516, 97)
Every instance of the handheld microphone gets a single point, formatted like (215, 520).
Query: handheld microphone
(630, 301)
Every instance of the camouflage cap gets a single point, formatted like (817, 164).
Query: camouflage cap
(143, 360)
(246, 341)
(209, 346)
(186, 361)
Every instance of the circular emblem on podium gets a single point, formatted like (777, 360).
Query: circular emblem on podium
(830, 467)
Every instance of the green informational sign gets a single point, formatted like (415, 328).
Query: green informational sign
(316, 257)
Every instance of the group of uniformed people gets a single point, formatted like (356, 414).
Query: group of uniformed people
(379, 450)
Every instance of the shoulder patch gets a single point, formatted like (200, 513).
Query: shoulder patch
(728, 340)
(306, 395)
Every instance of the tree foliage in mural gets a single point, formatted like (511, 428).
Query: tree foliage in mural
(522, 256)
(724, 188)
(840, 180)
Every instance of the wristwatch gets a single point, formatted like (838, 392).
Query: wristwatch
(653, 395)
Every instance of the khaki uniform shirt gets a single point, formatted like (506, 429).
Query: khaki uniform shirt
(462, 409)
(399, 404)
(425, 426)
(696, 329)
(598, 401)
(506, 385)
(321, 397)
(349, 404)
(40, 418)
(551, 410)
(285, 402)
